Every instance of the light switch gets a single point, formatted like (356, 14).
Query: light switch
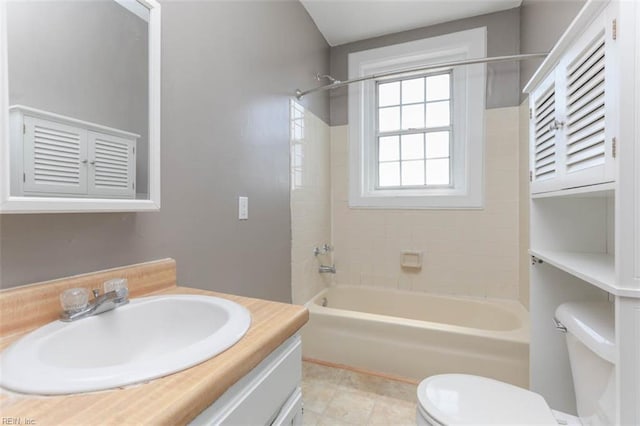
(243, 208)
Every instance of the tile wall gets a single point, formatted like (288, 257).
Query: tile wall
(466, 252)
(523, 280)
(310, 202)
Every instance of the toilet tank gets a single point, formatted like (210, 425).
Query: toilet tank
(592, 350)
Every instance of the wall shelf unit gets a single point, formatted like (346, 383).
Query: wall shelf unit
(585, 195)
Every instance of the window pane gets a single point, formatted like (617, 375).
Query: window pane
(413, 90)
(438, 114)
(389, 149)
(389, 94)
(437, 144)
(389, 119)
(438, 87)
(413, 147)
(413, 173)
(389, 174)
(298, 155)
(413, 117)
(438, 172)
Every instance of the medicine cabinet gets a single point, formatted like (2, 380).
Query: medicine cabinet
(79, 106)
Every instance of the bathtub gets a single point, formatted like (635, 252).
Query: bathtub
(415, 335)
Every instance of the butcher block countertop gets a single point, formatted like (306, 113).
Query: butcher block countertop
(172, 400)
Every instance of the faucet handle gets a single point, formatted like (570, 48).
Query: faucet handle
(74, 299)
(326, 248)
(119, 285)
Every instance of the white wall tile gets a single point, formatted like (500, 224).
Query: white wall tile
(311, 209)
(468, 252)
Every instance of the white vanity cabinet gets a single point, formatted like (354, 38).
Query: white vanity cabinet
(573, 111)
(54, 155)
(585, 195)
(269, 394)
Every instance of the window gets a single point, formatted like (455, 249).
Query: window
(414, 132)
(417, 140)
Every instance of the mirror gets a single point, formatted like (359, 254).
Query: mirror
(80, 105)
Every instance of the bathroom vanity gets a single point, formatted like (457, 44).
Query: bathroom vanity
(256, 381)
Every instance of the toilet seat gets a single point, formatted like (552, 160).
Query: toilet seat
(465, 399)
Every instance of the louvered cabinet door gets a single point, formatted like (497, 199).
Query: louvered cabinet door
(546, 138)
(54, 157)
(112, 166)
(590, 84)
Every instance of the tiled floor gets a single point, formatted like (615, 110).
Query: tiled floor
(333, 396)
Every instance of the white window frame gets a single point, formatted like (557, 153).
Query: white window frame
(467, 191)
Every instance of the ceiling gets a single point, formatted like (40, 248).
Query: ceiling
(344, 21)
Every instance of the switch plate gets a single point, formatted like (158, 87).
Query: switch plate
(243, 208)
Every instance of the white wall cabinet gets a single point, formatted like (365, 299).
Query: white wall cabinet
(53, 155)
(573, 111)
(585, 195)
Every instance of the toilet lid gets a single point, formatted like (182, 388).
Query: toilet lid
(466, 399)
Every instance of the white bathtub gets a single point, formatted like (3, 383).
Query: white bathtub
(416, 335)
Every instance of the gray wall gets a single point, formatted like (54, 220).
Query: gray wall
(228, 70)
(86, 60)
(542, 22)
(503, 38)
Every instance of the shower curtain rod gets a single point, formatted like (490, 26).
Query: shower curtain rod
(337, 83)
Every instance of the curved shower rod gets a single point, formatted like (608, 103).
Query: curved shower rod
(337, 83)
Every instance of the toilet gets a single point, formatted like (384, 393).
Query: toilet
(448, 399)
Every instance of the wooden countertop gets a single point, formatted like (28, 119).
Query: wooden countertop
(171, 400)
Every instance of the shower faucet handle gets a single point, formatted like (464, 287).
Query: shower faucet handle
(326, 248)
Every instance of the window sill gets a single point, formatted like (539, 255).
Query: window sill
(399, 200)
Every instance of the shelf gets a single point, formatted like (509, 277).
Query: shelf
(595, 268)
(600, 190)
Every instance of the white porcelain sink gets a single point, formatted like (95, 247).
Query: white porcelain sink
(148, 338)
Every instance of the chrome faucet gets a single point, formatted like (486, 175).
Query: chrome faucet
(324, 269)
(76, 305)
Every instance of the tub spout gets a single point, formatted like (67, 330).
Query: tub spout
(324, 269)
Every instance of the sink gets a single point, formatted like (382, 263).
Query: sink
(148, 338)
